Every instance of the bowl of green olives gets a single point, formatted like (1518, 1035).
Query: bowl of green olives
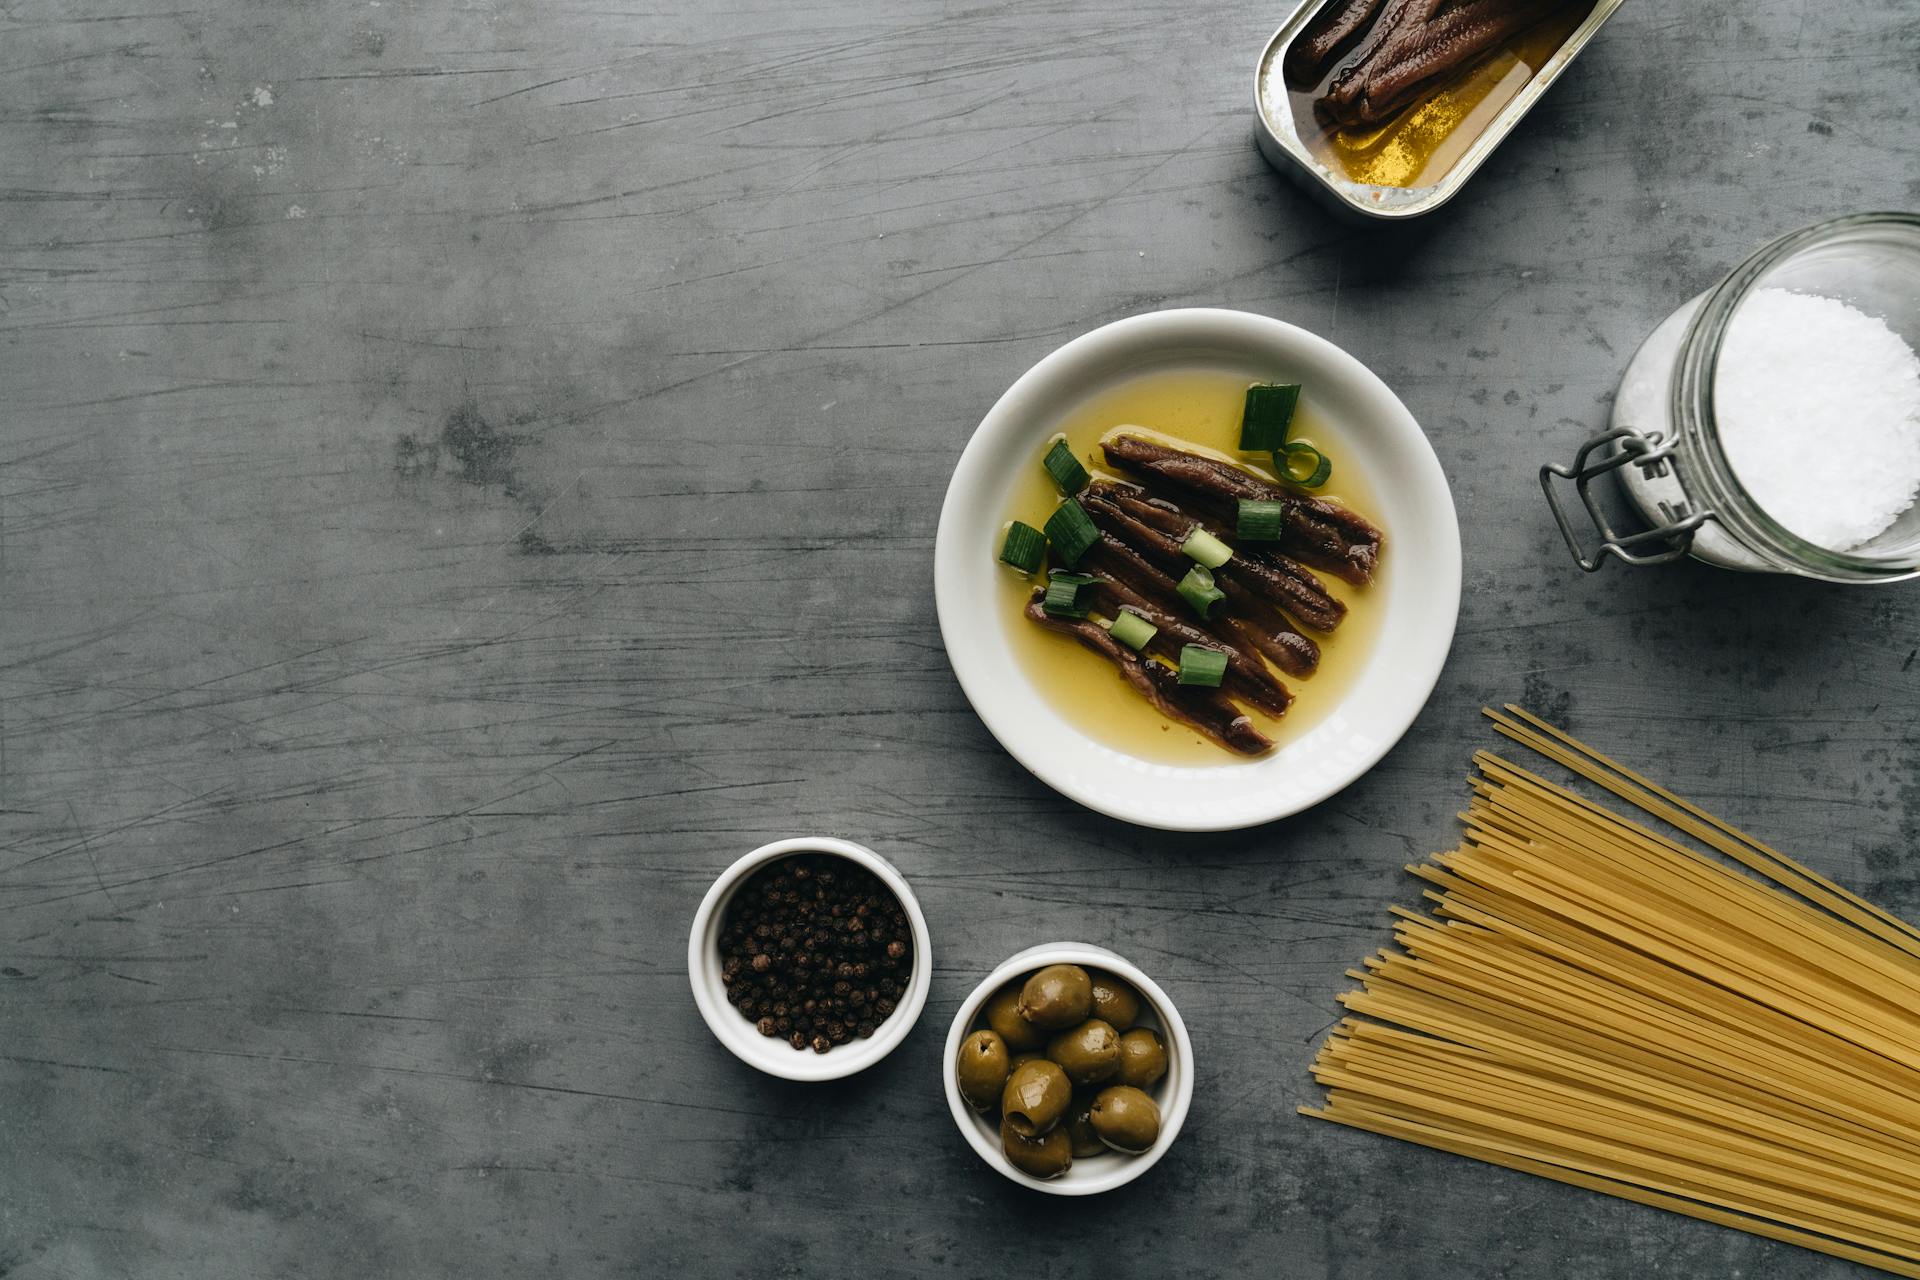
(1069, 1070)
(810, 958)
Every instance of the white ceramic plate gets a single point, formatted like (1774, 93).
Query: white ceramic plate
(1420, 589)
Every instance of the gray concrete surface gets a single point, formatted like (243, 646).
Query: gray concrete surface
(470, 472)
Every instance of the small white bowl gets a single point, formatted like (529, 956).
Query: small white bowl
(1420, 588)
(1174, 1093)
(775, 1056)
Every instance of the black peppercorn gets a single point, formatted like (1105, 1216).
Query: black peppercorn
(814, 950)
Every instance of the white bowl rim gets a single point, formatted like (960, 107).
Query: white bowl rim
(1173, 1109)
(777, 1057)
(1426, 647)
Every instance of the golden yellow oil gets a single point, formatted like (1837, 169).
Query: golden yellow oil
(1194, 408)
(1421, 143)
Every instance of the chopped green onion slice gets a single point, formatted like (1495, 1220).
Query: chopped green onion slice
(1268, 416)
(1065, 468)
(1260, 520)
(1063, 595)
(1132, 630)
(1207, 549)
(1071, 530)
(1197, 589)
(1303, 464)
(1024, 548)
(1203, 666)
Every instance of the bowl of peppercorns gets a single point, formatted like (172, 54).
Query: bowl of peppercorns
(809, 958)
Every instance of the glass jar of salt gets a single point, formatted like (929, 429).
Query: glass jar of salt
(1772, 424)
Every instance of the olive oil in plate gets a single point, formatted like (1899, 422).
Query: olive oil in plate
(1196, 408)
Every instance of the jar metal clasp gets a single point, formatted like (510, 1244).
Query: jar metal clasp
(1677, 521)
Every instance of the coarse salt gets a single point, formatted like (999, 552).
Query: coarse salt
(1818, 410)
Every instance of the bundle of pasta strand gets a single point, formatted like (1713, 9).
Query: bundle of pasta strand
(1599, 1004)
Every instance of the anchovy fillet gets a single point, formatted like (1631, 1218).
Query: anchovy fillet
(1298, 656)
(1270, 635)
(1396, 17)
(1207, 710)
(1247, 676)
(1324, 534)
(1419, 49)
(1314, 49)
(1284, 581)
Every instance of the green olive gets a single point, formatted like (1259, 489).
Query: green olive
(1114, 1002)
(1003, 1015)
(1036, 1097)
(1143, 1059)
(982, 1069)
(1047, 1156)
(1021, 1059)
(1056, 997)
(1125, 1118)
(1079, 1127)
(1089, 1053)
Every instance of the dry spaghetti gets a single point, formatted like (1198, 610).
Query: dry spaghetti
(1599, 1004)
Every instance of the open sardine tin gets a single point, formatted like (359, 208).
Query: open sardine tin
(1281, 143)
